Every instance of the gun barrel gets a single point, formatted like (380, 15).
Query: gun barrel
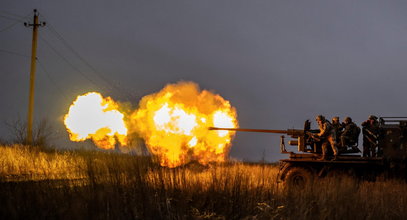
(250, 130)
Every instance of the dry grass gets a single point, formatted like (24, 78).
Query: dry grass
(79, 185)
(22, 162)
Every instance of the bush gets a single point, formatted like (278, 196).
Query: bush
(42, 133)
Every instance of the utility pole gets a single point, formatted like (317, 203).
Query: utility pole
(35, 26)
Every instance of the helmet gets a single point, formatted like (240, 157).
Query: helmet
(336, 118)
(372, 117)
(348, 119)
(320, 118)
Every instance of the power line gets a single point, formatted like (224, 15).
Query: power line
(11, 14)
(107, 81)
(48, 75)
(10, 26)
(43, 69)
(101, 76)
(14, 53)
(18, 18)
(13, 24)
(67, 61)
(10, 18)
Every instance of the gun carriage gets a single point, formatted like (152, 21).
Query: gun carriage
(302, 165)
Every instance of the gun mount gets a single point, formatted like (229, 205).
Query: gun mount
(303, 138)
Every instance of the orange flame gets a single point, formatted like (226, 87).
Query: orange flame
(93, 117)
(174, 124)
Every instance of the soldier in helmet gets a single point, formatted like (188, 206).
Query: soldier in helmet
(337, 130)
(325, 135)
(370, 130)
(350, 133)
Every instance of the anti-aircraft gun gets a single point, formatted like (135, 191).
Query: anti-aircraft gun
(304, 139)
(303, 166)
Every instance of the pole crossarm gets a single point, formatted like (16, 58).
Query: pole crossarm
(36, 23)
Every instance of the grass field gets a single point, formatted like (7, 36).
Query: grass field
(94, 185)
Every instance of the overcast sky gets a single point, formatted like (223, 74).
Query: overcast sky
(278, 62)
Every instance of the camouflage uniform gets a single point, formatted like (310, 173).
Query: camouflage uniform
(370, 130)
(337, 130)
(350, 133)
(325, 135)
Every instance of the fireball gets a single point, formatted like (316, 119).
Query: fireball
(174, 124)
(93, 117)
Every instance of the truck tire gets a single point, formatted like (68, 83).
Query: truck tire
(298, 178)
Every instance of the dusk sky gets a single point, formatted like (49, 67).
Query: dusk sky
(277, 62)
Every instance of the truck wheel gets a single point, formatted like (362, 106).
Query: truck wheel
(298, 178)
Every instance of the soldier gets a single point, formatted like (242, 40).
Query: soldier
(370, 130)
(350, 134)
(325, 135)
(337, 130)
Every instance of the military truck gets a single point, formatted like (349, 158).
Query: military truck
(304, 165)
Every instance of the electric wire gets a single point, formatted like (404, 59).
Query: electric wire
(53, 82)
(101, 76)
(12, 14)
(41, 65)
(10, 26)
(20, 20)
(69, 63)
(62, 39)
(10, 18)
(14, 53)
(47, 74)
